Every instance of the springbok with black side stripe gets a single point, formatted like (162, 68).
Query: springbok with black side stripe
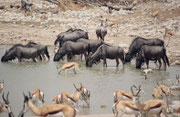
(38, 97)
(124, 95)
(64, 110)
(68, 98)
(155, 106)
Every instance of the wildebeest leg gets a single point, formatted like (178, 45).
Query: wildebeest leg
(160, 63)
(33, 59)
(147, 63)
(117, 62)
(19, 59)
(164, 63)
(104, 62)
(85, 55)
(43, 56)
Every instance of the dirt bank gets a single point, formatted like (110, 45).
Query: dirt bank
(46, 21)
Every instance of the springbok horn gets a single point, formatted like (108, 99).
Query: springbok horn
(157, 83)
(138, 90)
(134, 86)
(7, 97)
(75, 87)
(3, 98)
(132, 90)
(80, 84)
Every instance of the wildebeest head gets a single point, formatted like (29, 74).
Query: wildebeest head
(128, 57)
(139, 61)
(8, 56)
(59, 55)
(85, 35)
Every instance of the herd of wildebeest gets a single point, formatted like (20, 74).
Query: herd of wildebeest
(76, 42)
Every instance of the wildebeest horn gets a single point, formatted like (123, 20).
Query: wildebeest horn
(75, 87)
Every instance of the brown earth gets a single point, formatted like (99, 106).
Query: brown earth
(43, 23)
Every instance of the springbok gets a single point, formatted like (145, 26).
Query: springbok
(82, 93)
(176, 86)
(122, 107)
(168, 34)
(112, 24)
(1, 86)
(38, 97)
(54, 109)
(160, 90)
(5, 107)
(155, 106)
(67, 66)
(124, 95)
(155, 15)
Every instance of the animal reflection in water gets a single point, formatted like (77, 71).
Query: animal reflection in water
(68, 66)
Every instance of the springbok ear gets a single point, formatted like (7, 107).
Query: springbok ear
(30, 96)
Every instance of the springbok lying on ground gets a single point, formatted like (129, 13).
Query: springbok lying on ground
(67, 66)
(5, 107)
(1, 86)
(82, 93)
(38, 97)
(54, 109)
(155, 106)
(124, 95)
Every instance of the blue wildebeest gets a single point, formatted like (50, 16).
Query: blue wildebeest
(154, 53)
(93, 44)
(70, 49)
(42, 49)
(20, 52)
(101, 31)
(71, 35)
(106, 51)
(137, 43)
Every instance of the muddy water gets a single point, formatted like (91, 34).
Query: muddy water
(102, 82)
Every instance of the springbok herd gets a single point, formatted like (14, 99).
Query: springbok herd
(76, 42)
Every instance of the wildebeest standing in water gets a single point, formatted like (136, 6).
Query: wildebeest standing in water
(71, 35)
(154, 53)
(70, 49)
(105, 51)
(41, 48)
(20, 52)
(101, 31)
(137, 43)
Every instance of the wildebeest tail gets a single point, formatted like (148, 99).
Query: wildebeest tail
(165, 56)
(46, 52)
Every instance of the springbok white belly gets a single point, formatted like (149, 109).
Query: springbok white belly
(155, 110)
(131, 111)
(60, 114)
